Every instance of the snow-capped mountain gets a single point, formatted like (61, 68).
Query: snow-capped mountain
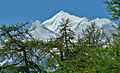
(54, 22)
(51, 27)
(40, 32)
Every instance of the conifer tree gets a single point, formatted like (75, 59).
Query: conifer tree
(64, 47)
(65, 39)
(23, 51)
(94, 36)
(88, 53)
(113, 7)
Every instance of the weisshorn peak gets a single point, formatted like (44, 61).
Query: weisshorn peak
(50, 27)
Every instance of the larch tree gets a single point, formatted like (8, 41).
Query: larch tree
(23, 50)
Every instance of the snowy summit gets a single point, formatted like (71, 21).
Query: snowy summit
(50, 27)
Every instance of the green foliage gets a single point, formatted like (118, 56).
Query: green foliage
(113, 7)
(94, 36)
(92, 52)
(89, 52)
(115, 50)
(23, 51)
(65, 38)
(64, 46)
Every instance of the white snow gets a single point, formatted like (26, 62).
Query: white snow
(50, 27)
(78, 23)
(54, 23)
(5, 61)
(2, 63)
(40, 32)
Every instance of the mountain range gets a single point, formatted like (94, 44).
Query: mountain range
(50, 27)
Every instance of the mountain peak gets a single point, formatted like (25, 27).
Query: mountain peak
(58, 17)
(36, 23)
(62, 13)
(77, 24)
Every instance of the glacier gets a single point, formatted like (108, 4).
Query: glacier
(40, 32)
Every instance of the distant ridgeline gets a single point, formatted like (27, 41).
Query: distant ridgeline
(50, 27)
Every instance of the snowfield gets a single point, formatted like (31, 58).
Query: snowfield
(50, 27)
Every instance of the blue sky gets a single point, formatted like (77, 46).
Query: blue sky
(13, 11)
